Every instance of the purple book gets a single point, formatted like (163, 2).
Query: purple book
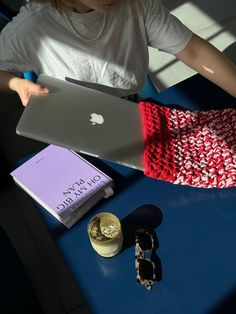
(62, 181)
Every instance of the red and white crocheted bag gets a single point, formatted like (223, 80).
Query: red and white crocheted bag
(190, 148)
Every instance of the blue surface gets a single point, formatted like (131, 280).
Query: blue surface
(194, 93)
(196, 234)
(148, 89)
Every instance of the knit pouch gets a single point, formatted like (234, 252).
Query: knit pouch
(190, 148)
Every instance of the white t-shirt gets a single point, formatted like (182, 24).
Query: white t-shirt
(42, 40)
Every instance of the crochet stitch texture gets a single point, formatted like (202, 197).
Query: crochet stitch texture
(190, 148)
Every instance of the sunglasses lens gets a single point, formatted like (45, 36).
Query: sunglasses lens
(144, 240)
(146, 271)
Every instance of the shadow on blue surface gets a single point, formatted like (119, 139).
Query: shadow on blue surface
(195, 93)
(226, 306)
(147, 217)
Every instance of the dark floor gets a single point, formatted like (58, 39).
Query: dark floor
(50, 280)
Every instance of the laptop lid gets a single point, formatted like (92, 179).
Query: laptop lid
(86, 121)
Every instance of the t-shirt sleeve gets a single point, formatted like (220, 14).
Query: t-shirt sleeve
(164, 30)
(11, 58)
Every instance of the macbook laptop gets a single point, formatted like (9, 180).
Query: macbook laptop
(86, 121)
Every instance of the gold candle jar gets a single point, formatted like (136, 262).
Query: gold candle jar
(105, 234)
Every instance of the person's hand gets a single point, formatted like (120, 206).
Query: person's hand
(25, 88)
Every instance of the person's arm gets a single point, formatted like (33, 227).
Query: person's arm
(24, 88)
(207, 60)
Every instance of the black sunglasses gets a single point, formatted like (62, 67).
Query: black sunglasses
(145, 267)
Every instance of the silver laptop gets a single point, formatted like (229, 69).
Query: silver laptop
(86, 121)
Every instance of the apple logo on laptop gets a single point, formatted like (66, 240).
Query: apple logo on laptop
(96, 118)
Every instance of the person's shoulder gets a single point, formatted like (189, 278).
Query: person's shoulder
(27, 18)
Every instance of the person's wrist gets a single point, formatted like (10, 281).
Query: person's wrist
(14, 83)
